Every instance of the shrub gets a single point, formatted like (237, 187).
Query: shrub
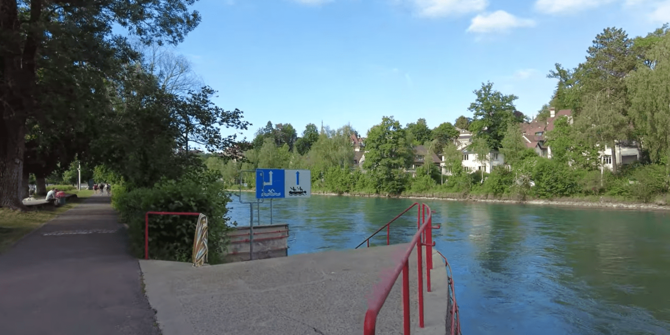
(553, 179)
(338, 180)
(648, 181)
(171, 237)
(422, 183)
(592, 183)
(499, 181)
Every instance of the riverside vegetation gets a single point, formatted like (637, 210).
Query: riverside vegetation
(120, 103)
(618, 94)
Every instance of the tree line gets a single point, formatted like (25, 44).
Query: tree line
(617, 95)
(122, 103)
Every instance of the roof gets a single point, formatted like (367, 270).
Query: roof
(423, 151)
(530, 129)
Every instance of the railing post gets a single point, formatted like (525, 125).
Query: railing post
(419, 250)
(388, 235)
(146, 235)
(405, 298)
(429, 251)
(368, 243)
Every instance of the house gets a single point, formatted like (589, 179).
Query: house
(420, 156)
(469, 160)
(357, 142)
(534, 134)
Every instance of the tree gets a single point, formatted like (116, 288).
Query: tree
(642, 46)
(443, 134)
(650, 101)
(28, 30)
(463, 122)
(199, 120)
(272, 157)
(332, 149)
(513, 145)
(174, 72)
(493, 112)
(285, 134)
(480, 148)
(604, 101)
(566, 95)
(419, 131)
(309, 136)
(388, 152)
(568, 148)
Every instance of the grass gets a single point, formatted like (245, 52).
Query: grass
(14, 224)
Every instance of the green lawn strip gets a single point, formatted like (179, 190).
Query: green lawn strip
(14, 224)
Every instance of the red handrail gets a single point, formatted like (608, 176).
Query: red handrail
(146, 227)
(388, 227)
(423, 237)
(455, 317)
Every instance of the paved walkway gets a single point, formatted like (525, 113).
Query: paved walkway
(312, 294)
(74, 276)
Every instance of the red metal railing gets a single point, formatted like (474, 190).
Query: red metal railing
(453, 318)
(146, 227)
(388, 227)
(423, 237)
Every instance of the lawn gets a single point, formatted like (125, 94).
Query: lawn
(14, 224)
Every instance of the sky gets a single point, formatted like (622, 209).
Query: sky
(341, 62)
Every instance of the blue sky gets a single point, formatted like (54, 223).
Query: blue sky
(354, 61)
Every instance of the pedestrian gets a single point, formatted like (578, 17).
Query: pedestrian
(109, 189)
(95, 188)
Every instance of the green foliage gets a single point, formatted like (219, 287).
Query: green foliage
(338, 179)
(499, 181)
(388, 152)
(422, 183)
(513, 145)
(553, 179)
(463, 122)
(171, 237)
(419, 132)
(648, 181)
(309, 136)
(492, 113)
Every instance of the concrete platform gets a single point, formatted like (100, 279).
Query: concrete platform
(321, 293)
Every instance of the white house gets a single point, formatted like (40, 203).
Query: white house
(534, 133)
(470, 162)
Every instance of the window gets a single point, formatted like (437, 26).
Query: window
(355, 161)
(607, 159)
(481, 168)
(539, 133)
(494, 156)
(465, 157)
(418, 158)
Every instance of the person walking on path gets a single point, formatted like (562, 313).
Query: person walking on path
(55, 282)
(95, 188)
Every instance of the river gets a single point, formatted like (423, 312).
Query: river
(518, 269)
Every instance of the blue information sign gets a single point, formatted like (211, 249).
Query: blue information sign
(270, 183)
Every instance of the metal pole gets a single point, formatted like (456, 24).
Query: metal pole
(79, 178)
(258, 210)
(251, 231)
(270, 210)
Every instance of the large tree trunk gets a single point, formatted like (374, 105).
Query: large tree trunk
(17, 87)
(12, 138)
(25, 181)
(41, 186)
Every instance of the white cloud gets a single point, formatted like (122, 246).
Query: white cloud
(439, 8)
(570, 6)
(312, 2)
(661, 13)
(498, 21)
(524, 74)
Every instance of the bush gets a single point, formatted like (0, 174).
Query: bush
(592, 183)
(422, 183)
(553, 179)
(648, 181)
(66, 188)
(171, 237)
(338, 180)
(499, 181)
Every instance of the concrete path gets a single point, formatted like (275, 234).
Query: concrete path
(321, 293)
(74, 276)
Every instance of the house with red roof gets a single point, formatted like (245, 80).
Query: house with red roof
(534, 134)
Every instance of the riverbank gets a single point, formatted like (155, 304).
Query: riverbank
(660, 204)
